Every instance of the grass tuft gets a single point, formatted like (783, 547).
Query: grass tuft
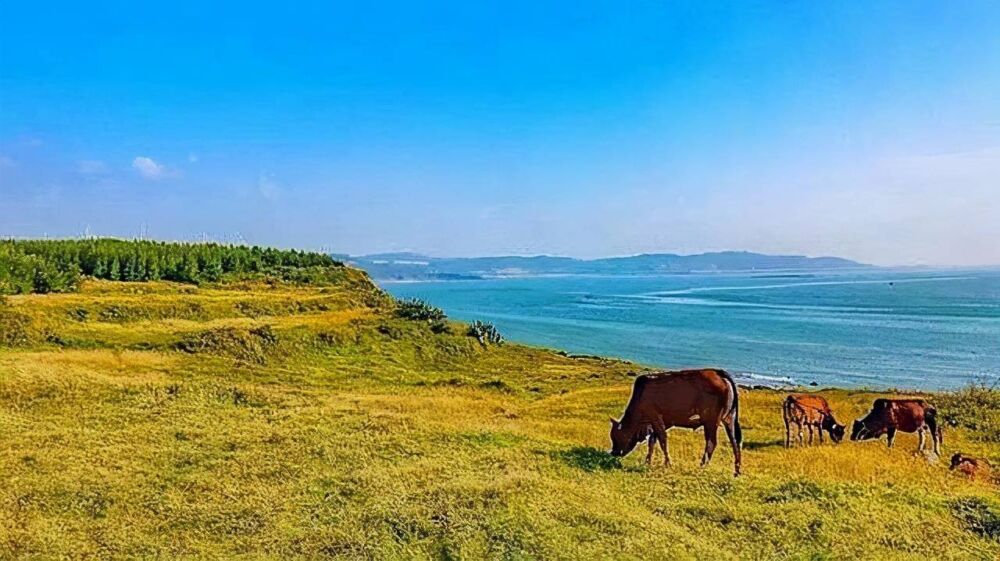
(589, 458)
(979, 516)
(254, 345)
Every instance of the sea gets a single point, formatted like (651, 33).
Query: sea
(879, 329)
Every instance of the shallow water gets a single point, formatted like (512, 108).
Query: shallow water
(881, 329)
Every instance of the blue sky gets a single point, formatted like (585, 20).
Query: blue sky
(868, 130)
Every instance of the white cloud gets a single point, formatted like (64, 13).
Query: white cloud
(148, 168)
(267, 186)
(91, 167)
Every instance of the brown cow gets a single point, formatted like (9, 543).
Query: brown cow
(907, 415)
(811, 411)
(969, 466)
(688, 398)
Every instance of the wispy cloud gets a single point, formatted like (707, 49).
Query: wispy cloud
(92, 167)
(31, 141)
(149, 168)
(267, 186)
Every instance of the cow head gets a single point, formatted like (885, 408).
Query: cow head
(624, 441)
(837, 432)
(835, 429)
(859, 432)
(874, 424)
(956, 459)
(959, 459)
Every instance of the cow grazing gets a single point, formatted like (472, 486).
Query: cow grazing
(810, 411)
(908, 415)
(688, 398)
(970, 466)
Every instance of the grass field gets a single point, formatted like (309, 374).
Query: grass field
(271, 421)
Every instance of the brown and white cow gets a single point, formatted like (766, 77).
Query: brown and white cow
(688, 398)
(810, 411)
(908, 415)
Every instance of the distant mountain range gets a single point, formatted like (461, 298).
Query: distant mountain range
(413, 266)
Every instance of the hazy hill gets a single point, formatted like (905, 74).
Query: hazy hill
(403, 266)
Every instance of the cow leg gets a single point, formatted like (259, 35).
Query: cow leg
(788, 433)
(819, 430)
(920, 439)
(935, 431)
(652, 446)
(810, 435)
(801, 441)
(666, 450)
(711, 431)
(737, 453)
(891, 435)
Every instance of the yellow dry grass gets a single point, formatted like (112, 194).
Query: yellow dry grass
(361, 436)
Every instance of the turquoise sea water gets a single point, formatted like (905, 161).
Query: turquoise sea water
(919, 330)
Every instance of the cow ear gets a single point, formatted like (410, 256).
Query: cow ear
(880, 403)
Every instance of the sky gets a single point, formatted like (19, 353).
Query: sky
(867, 130)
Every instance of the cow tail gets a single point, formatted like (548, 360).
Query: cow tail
(735, 409)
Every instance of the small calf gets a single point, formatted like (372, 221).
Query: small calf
(813, 412)
(970, 467)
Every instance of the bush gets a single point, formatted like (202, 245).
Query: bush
(486, 333)
(975, 407)
(418, 310)
(23, 273)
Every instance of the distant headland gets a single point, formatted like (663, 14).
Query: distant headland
(414, 266)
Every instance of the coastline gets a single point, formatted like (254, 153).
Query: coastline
(879, 329)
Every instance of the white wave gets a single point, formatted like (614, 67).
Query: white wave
(698, 289)
(785, 307)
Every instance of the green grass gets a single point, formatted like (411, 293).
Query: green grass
(271, 421)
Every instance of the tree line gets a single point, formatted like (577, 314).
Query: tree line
(43, 266)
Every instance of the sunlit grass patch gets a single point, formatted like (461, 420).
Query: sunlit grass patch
(345, 431)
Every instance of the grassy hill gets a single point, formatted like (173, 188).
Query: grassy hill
(276, 420)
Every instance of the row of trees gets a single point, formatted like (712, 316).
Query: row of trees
(57, 265)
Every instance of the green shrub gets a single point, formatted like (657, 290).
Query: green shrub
(975, 407)
(486, 333)
(418, 310)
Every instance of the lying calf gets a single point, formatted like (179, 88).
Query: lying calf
(970, 467)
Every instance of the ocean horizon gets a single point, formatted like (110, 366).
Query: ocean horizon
(914, 328)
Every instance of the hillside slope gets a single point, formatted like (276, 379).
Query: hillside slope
(277, 421)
